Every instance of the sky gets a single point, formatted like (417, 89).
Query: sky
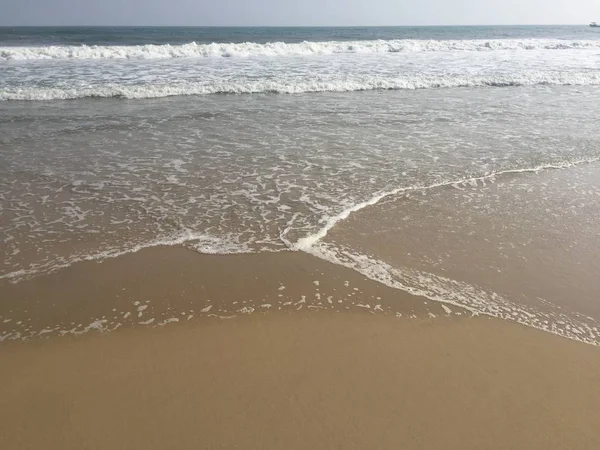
(297, 12)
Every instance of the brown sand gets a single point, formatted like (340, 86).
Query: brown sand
(299, 381)
(169, 283)
(333, 368)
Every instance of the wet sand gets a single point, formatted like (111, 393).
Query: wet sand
(345, 363)
(168, 284)
(532, 238)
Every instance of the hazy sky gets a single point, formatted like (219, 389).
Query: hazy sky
(296, 12)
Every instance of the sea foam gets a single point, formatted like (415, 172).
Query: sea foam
(342, 83)
(194, 50)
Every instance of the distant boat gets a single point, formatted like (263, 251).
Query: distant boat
(594, 25)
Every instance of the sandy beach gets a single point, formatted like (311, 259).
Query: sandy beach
(173, 284)
(391, 377)
(297, 381)
(312, 237)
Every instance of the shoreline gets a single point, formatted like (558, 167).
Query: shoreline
(163, 285)
(275, 350)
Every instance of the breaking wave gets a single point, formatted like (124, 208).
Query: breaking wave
(286, 86)
(194, 50)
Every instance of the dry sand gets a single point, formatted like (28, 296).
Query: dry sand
(288, 379)
(299, 381)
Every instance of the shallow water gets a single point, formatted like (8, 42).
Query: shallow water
(463, 191)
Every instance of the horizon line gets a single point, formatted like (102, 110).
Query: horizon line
(295, 26)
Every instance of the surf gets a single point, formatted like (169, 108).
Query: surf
(282, 49)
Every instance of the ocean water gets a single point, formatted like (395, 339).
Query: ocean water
(53, 64)
(458, 163)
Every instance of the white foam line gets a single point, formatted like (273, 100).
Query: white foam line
(285, 85)
(282, 49)
(110, 254)
(493, 305)
(471, 298)
(307, 242)
(179, 239)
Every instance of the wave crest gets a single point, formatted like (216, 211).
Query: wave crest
(362, 83)
(194, 50)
